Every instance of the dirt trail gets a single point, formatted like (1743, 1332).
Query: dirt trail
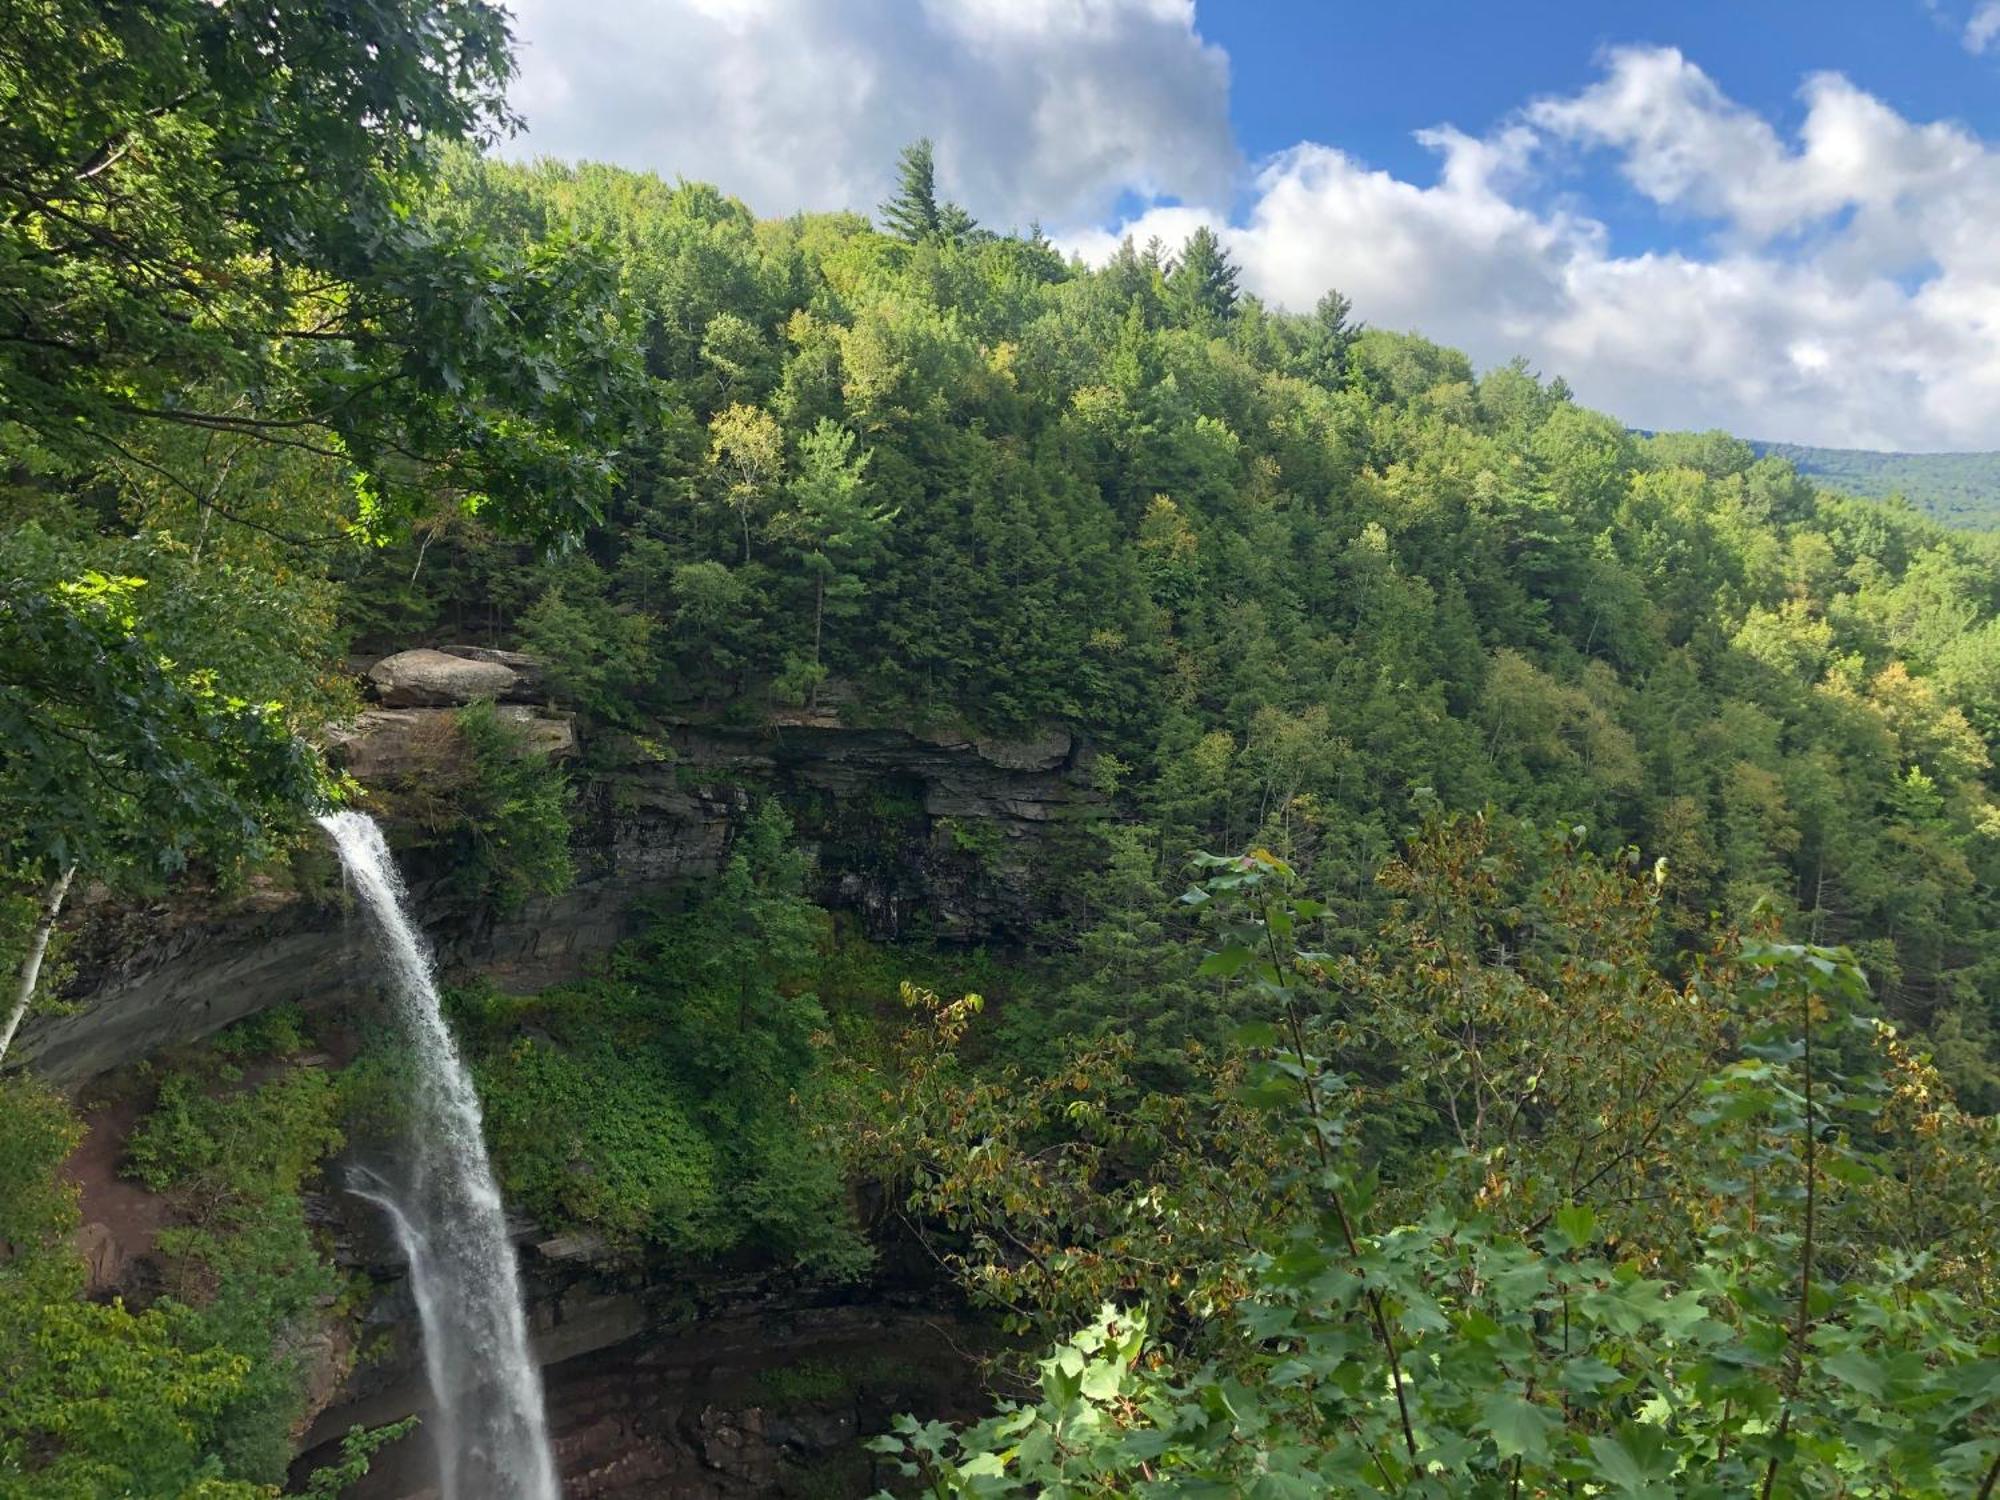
(121, 1220)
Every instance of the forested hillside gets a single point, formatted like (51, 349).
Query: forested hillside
(1571, 1069)
(1287, 575)
(1959, 489)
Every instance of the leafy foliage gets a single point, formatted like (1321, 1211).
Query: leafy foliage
(357, 1450)
(1284, 570)
(240, 304)
(1507, 1165)
(199, 194)
(669, 1102)
(116, 757)
(243, 1273)
(492, 809)
(1757, 1335)
(1958, 489)
(197, 1393)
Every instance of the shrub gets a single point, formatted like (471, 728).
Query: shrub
(589, 1136)
(493, 810)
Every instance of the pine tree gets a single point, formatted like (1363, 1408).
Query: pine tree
(916, 215)
(1202, 286)
(1327, 337)
(913, 214)
(957, 227)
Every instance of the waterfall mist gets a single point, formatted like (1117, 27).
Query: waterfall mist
(488, 1425)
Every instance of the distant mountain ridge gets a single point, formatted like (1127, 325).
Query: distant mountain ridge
(1956, 489)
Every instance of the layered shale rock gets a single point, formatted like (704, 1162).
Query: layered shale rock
(955, 833)
(384, 745)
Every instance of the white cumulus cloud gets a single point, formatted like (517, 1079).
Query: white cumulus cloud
(1037, 107)
(1842, 288)
(1983, 27)
(1834, 284)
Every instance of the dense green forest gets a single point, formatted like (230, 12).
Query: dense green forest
(1573, 1071)
(1286, 574)
(1959, 489)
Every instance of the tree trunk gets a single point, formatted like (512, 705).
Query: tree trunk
(31, 964)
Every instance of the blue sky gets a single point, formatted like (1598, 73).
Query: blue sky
(1771, 216)
(1302, 70)
(1367, 77)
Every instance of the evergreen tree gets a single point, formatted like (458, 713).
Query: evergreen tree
(913, 214)
(916, 215)
(1202, 286)
(1325, 340)
(957, 227)
(835, 529)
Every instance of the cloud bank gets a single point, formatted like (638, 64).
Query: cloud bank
(1845, 291)
(1049, 108)
(1837, 285)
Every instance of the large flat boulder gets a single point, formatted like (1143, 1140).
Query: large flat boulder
(435, 679)
(1042, 749)
(527, 669)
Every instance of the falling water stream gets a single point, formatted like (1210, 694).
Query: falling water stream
(488, 1424)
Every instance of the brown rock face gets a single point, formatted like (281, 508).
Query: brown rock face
(950, 827)
(550, 734)
(750, 1402)
(102, 1259)
(385, 745)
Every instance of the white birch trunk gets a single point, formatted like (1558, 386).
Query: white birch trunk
(31, 964)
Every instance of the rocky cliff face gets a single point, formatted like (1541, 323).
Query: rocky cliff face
(693, 1385)
(660, 1385)
(938, 833)
(706, 1383)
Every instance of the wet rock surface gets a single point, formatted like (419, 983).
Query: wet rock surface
(658, 1384)
(662, 1379)
(758, 1393)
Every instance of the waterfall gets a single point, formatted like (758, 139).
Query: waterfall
(488, 1426)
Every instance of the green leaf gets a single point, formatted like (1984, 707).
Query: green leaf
(1265, 1320)
(1102, 1379)
(1268, 1094)
(1854, 1368)
(1636, 1461)
(1585, 1375)
(1575, 1226)
(1225, 962)
(1422, 1314)
(1518, 1425)
(1847, 1169)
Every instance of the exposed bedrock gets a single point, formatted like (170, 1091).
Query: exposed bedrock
(662, 1378)
(427, 678)
(951, 834)
(667, 1381)
(750, 1396)
(662, 1381)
